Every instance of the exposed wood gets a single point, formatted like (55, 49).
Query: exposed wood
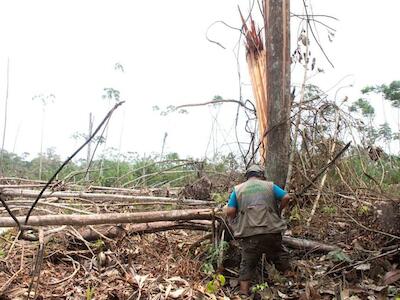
(99, 196)
(116, 231)
(112, 218)
(16, 179)
(203, 225)
(21, 186)
(308, 245)
(256, 62)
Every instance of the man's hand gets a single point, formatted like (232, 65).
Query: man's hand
(285, 201)
(225, 209)
(231, 212)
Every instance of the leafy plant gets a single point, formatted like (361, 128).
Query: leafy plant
(89, 293)
(208, 268)
(212, 257)
(338, 256)
(216, 283)
(295, 214)
(259, 287)
(99, 245)
(220, 198)
(329, 210)
(363, 210)
(363, 105)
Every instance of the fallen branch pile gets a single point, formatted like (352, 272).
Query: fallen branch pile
(129, 239)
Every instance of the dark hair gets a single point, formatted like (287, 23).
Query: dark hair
(254, 174)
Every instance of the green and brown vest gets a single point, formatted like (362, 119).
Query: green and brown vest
(258, 210)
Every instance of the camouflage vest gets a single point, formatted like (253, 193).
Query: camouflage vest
(258, 210)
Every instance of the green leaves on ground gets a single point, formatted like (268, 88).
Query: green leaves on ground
(338, 256)
(216, 283)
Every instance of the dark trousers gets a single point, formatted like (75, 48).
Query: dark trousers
(252, 249)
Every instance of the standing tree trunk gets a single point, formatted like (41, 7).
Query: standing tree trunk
(277, 36)
(5, 115)
(41, 144)
(89, 150)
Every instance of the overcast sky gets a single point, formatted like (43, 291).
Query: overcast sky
(70, 48)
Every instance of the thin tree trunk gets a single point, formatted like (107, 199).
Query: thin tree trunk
(398, 127)
(296, 128)
(41, 145)
(331, 152)
(163, 145)
(89, 152)
(5, 113)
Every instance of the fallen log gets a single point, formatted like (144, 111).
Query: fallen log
(295, 243)
(99, 196)
(204, 225)
(302, 244)
(111, 218)
(21, 186)
(130, 191)
(116, 231)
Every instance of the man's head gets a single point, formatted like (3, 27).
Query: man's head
(254, 170)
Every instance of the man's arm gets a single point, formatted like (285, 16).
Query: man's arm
(282, 196)
(231, 212)
(284, 201)
(232, 206)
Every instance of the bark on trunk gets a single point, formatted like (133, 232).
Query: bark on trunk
(99, 196)
(278, 89)
(116, 231)
(203, 225)
(308, 245)
(112, 218)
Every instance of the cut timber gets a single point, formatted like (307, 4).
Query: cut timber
(116, 231)
(308, 245)
(112, 218)
(203, 225)
(297, 243)
(98, 196)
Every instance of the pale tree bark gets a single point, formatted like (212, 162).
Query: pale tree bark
(20, 193)
(5, 114)
(277, 32)
(41, 144)
(89, 151)
(112, 218)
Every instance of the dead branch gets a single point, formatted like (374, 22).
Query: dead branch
(215, 102)
(324, 169)
(99, 197)
(116, 231)
(391, 252)
(107, 117)
(112, 218)
(322, 183)
(303, 244)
